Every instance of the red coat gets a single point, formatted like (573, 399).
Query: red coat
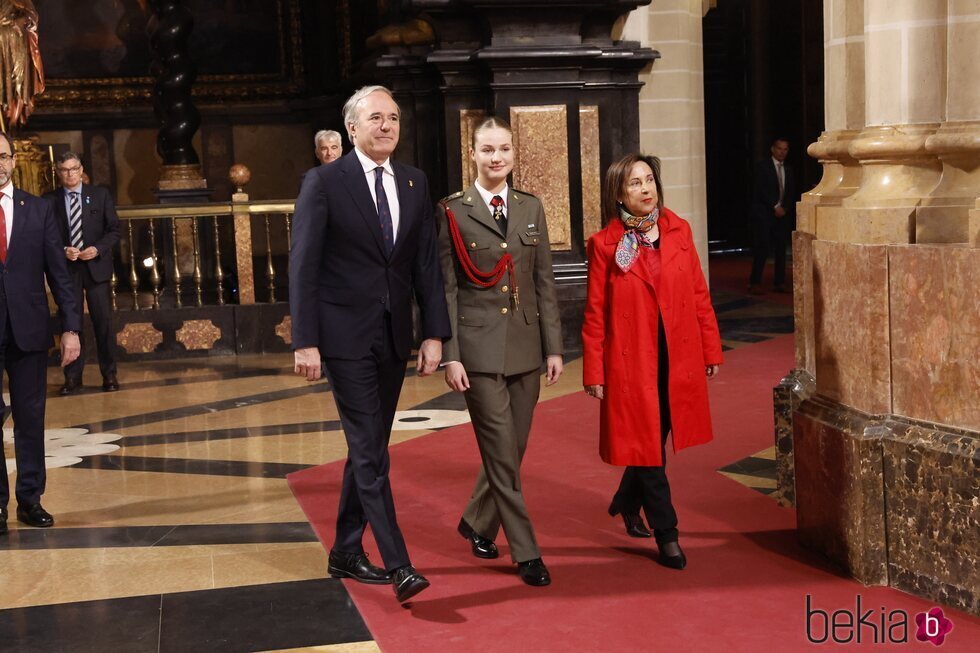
(619, 338)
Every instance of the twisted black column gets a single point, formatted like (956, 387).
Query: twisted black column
(169, 31)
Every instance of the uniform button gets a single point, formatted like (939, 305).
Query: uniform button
(504, 245)
(535, 241)
(504, 289)
(472, 245)
(503, 311)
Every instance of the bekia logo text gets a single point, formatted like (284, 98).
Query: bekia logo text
(873, 626)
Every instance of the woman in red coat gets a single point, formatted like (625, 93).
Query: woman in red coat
(647, 304)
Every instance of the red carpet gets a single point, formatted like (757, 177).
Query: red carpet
(747, 580)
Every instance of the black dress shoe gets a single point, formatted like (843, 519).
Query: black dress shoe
(483, 547)
(3, 521)
(407, 582)
(71, 387)
(533, 572)
(357, 567)
(34, 516)
(633, 522)
(671, 555)
(109, 383)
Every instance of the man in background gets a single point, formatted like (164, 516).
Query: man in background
(327, 145)
(771, 215)
(89, 229)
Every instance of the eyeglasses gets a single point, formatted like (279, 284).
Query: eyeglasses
(637, 184)
(6, 158)
(69, 171)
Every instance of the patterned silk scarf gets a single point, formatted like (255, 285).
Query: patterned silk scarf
(628, 249)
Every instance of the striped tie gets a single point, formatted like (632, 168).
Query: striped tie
(75, 220)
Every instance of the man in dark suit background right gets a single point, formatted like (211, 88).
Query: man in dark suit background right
(771, 213)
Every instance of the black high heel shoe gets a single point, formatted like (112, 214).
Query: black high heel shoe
(633, 522)
(671, 555)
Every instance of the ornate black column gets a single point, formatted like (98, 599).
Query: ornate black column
(169, 31)
(550, 68)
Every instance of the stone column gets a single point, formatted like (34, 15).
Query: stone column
(885, 450)
(944, 216)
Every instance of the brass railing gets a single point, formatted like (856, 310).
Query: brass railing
(178, 255)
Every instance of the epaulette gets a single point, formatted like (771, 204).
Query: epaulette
(524, 192)
(453, 196)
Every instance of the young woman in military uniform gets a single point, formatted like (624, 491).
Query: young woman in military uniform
(496, 262)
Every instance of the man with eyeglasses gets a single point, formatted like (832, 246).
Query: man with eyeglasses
(30, 252)
(89, 230)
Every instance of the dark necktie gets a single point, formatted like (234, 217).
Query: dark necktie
(384, 211)
(782, 183)
(3, 232)
(498, 213)
(74, 220)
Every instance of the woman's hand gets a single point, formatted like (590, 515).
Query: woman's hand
(456, 377)
(594, 391)
(711, 371)
(555, 368)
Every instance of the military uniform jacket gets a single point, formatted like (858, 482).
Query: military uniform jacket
(489, 334)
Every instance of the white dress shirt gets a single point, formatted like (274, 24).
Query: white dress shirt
(388, 181)
(487, 196)
(8, 208)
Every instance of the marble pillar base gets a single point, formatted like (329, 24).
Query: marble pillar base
(840, 504)
(890, 500)
(932, 481)
(796, 387)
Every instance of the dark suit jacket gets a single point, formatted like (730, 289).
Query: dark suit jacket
(340, 279)
(765, 191)
(100, 226)
(36, 251)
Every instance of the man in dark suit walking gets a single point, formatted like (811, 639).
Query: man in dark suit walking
(89, 229)
(30, 251)
(364, 241)
(772, 209)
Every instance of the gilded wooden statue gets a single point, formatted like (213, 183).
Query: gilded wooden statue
(21, 72)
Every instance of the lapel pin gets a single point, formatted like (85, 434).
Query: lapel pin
(22, 202)
(531, 226)
(410, 183)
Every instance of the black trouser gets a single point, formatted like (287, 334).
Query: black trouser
(647, 487)
(100, 310)
(27, 376)
(366, 391)
(769, 235)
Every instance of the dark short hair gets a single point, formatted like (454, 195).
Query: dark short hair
(9, 140)
(65, 157)
(617, 177)
(491, 122)
(779, 138)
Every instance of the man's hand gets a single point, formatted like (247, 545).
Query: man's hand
(594, 391)
(307, 363)
(555, 368)
(88, 253)
(456, 377)
(779, 211)
(71, 253)
(71, 347)
(430, 353)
